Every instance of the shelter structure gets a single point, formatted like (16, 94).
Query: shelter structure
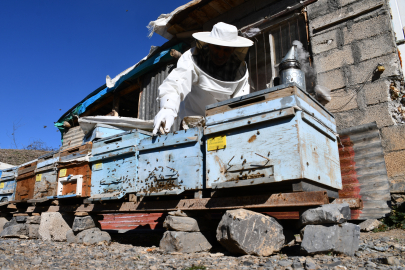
(351, 47)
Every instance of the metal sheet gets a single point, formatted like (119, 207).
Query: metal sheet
(171, 164)
(364, 174)
(114, 165)
(132, 222)
(73, 137)
(149, 106)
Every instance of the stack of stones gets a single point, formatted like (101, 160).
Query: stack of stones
(21, 226)
(84, 231)
(183, 235)
(326, 230)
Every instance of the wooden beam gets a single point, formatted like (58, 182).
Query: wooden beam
(116, 104)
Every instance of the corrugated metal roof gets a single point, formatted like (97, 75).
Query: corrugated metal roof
(148, 104)
(364, 174)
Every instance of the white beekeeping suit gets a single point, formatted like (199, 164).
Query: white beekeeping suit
(211, 72)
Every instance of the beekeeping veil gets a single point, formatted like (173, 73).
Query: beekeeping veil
(236, 48)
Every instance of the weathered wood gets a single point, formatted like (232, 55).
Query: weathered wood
(116, 104)
(81, 214)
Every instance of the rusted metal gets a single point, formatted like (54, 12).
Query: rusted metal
(364, 175)
(124, 222)
(284, 214)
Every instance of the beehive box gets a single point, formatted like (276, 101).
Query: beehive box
(46, 177)
(74, 172)
(101, 131)
(114, 165)
(25, 181)
(8, 184)
(171, 164)
(274, 135)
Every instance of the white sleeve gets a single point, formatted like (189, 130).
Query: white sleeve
(243, 87)
(177, 85)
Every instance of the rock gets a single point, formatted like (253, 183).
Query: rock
(182, 224)
(369, 225)
(178, 213)
(392, 261)
(310, 264)
(33, 231)
(343, 238)
(186, 242)
(92, 236)
(15, 231)
(246, 232)
(328, 213)
(70, 237)
(83, 223)
(34, 220)
(285, 263)
(12, 222)
(21, 219)
(3, 221)
(54, 226)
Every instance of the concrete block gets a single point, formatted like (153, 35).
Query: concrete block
(246, 232)
(395, 163)
(393, 138)
(322, 7)
(367, 28)
(333, 79)
(94, 236)
(54, 226)
(360, 73)
(342, 100)
(373, 47)
(338, 13)
(333, 59)
(330, 213)
(378, 113)
(187, 242)
(325, 41)
(377, 92)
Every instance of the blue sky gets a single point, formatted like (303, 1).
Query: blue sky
(54, 53)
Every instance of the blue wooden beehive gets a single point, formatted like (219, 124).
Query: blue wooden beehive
(171, 164)
(114, 165)
(276, 135)
(8, 184)
(102, 131)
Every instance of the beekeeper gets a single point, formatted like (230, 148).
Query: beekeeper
(212, 71)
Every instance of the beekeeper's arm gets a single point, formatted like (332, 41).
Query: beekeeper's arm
(173, 90)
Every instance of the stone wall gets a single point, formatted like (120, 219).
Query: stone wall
(348, 39)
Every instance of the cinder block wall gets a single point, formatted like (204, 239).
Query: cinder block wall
(349, 38)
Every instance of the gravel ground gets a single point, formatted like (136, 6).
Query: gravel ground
(377, 251)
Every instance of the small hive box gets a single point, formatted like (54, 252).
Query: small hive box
(8, 184)
(25, 181)
(74, 172)
(114, 165)
(46, 177)
(101, 131)
(171, 164)
(271, 136)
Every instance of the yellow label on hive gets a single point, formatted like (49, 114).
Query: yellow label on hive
(38, 177)
(62, 172)
(216, 143)
(98, 166)
(2, 185)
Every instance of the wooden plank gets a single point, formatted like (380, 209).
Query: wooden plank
(219, 6)
(116, 104)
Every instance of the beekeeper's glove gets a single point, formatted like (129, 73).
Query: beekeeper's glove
(165, 119)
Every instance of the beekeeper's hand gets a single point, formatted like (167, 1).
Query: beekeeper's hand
(165, 119)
